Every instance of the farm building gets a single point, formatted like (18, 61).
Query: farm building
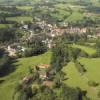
(43, 70)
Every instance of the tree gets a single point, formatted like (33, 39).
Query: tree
(71, 93)
(60, 54)
(35, 46)
(5, 64)
(28, 52)
(2, 52)
(97, 54)
(75, 52)
(24, 92)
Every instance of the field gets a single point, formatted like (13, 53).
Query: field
(19, 19)
(86, 49)
(77, 80)
(5, 25)
(24, 7)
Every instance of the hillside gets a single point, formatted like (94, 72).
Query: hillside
(49, 49)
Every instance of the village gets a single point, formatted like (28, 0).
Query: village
(51, 31)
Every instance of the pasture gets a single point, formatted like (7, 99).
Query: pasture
(75, 79)
(5, 25)
(87, 49)
(19, 18)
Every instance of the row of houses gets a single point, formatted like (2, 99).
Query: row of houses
(54, 30)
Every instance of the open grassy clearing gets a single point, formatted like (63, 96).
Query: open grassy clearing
(24, 7)
(77, 80)
(10, 81)
(85, 48)
(75, 16)
(19, 19)
(5, 25)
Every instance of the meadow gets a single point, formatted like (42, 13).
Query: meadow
(27, 8)
(5, 25)
(87, 49)
(19, 18)
(75, 79)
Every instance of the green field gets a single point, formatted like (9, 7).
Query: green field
(77, 80)
(24, 7)
(5, 25)
(87, 49)
(19, 19)
(75, 16)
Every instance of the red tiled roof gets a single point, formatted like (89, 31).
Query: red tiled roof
(44, 65)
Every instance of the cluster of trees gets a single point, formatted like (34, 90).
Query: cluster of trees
(93, 83)
(80, 67)
(60, 54)
(63, 52)
(97, 46)
(11, 11)
(76, 38)
(85, 22)
(43, 92)
(5, 63)
(34, 46)
(8, 34)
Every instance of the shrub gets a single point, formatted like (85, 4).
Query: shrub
(98, 94)
(83, 54)
(80, 67)
(92, 83)
(28, 52)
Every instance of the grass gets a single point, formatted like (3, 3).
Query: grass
(24, 7)
(5, 25)
(10, 81)
(75, 16)
(88, 50)
(19, 19)
(65, 10)
(77, 80)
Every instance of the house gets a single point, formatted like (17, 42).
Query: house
(13, 48)
(25, 27)
(26, 79)
(11, 51)
(76, 30)
(43, 66)
(42, 71)
(48, 42)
